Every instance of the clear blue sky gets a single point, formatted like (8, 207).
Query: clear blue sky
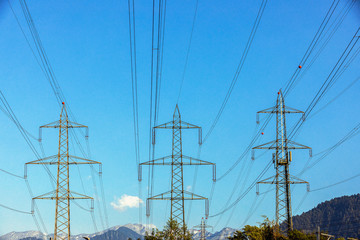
(87, 43)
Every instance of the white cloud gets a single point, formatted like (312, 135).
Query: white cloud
(125, 202)
(188, 188)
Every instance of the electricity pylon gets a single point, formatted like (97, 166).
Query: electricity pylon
(281, 159)
(62, 195)
(203, 228)
(177, 160)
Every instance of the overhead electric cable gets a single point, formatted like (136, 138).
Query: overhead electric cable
(133, 66)
(188, 50)
(325, 38)
(248, 148)
(157, 43)
(44, 62)
(337, 70)
(245, 192)
(11, 174)
(14, 210)
(337, 183)
(352, 133)
(239, 67)
(312, 46)
(335, 98)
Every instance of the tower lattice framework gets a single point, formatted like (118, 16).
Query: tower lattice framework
(281, 159)
(203, 226)
(62, 194)
(177, 195)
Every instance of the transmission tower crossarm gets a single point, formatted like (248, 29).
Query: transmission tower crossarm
(286, 109)
(82, 160)
(268, 145)
(187, 196)
(295, 145)
(56, 124)
(72, 195)
(296, 180)
(170, 125)
(206, 226)
(269, 180)
(187, 161)
(167, 161)
(268, 110)
(292, 180)
(290, 145)
(53, 160)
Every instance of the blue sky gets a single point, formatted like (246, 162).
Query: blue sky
(87, 43)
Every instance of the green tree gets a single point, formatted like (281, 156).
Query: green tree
(239, 235)
(155, 235)
(172, 231)
(265, 231)
(298, 235)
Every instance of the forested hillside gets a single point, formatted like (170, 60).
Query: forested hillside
(339, 216)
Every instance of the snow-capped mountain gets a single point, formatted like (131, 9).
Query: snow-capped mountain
(140, 228)
(196, 233)
(223, 234)
(133, 231)
(23, 235)
(118, 232)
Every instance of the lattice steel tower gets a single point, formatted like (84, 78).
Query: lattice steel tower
(203, 228)
(177, 160)
(62, 195)
(281, 159)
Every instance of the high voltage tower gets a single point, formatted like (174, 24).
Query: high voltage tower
(281, 159)
(177, 160)
(62, 195)
(203, 228)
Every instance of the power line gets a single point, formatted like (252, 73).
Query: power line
(337, 183)
(241, 189)
(311, 47)
(157, 43)
(239, 67)
(256, 137)
(46, 66)
(11, 174)
(352, 133)
(340, 66)
(245, 192)
(235, 188)
(133, 64)
(15, 210)
(335, 98)
(307, 54)
(254, 207)
(327, 35)
(132, 36)
(188, 50)
(10, 113)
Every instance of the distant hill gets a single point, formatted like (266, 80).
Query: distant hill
(133, 231)
(339, 216)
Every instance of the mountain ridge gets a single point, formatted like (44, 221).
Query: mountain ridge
(339, 216)
(120, 232)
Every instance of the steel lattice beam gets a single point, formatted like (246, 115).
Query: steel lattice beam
(62, 195)
(177, 160)
(282, 159)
